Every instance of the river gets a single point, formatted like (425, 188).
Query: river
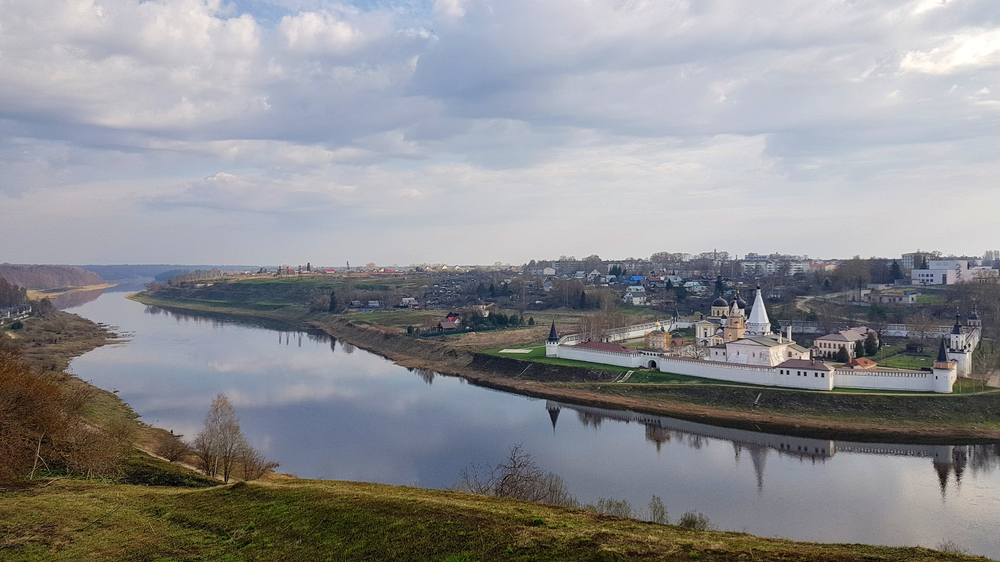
(324, 409)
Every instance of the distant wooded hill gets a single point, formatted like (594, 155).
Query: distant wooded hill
(48, 276)
(125, 272)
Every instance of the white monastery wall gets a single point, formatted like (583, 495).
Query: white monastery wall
(917, 381)
(746, 374)
(600, 356)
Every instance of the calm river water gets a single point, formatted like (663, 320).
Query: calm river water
(326, 410)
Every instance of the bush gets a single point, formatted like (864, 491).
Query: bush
(951, 547)
(517, 477)
(611, 506)
(172, 448)
(42, 426)
(657, 511)
(16, 325)
(694, 521)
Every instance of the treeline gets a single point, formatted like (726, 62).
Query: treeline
(11, 294)
(48, 276)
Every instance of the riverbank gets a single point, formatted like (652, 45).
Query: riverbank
(850, 416)
(318, 520)
(35, 294)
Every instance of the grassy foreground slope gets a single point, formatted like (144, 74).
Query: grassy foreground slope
(313, 520)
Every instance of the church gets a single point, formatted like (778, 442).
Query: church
(732, 337)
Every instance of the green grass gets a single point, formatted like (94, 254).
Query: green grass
(912, 362)
(656, 377)
(311, 520)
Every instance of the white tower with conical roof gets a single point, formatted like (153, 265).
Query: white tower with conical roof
(758, 323)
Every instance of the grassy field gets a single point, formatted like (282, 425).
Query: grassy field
(317, 520)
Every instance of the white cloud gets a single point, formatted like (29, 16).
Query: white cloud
(450, 8)
(318, 32)
(960, 52)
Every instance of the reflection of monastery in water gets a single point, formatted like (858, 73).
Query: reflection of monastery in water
(947, 460)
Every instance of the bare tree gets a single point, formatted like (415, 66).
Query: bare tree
(517, 477)
(172, 448)
(219, 444)
(253, 464)
(657, 511)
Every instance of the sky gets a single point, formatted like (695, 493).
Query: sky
(478, 131)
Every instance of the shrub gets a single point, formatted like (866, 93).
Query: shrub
(951, 547)
(42, 425)
(611, 506)
(694, 520)
(172, 448)
(16, 325)
(517, 477)
(657, 511)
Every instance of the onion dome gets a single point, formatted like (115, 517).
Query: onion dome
(740, 303)
(720, 302)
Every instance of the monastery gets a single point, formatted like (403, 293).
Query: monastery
(735, 346)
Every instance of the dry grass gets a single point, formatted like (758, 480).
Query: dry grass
(309, 520)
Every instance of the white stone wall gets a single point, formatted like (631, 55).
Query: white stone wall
(916, 381)
(747, 374)
(634, 360)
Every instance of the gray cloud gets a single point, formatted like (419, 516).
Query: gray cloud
(540, 120)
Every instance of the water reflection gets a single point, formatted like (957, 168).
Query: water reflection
(75, 299)
(946, 460)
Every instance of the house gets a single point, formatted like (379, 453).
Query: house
(830, 344)
(548, 271)
(861, 363)
(357, 304)
(447, 326)
(374, 304)
(407, 302)
(15, 311)
(635, 295)
(890, 298)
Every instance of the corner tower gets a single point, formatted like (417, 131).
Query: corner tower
(552, 344)
(945, 371)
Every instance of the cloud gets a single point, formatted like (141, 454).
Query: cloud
(959, 52)
(379, 121)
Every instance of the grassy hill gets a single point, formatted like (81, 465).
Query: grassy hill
(323, 520)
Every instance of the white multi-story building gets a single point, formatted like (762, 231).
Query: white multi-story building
(949, 272)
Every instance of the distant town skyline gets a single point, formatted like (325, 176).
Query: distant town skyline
(475, 131)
